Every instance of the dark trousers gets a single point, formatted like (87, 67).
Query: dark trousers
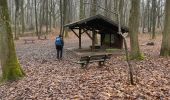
(59, 51)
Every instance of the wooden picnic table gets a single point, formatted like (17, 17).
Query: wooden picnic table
(100, 58)
(26, 41)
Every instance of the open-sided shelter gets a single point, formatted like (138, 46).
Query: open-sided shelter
(98, 24)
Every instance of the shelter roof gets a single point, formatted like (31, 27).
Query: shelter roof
(97, 22)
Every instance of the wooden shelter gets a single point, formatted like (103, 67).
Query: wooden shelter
(98, 24)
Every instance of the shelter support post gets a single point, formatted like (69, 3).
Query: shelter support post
(93, 39)
(79, 38)
(101, 39)
(110, 39)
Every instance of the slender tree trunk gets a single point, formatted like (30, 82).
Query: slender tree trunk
(158, 13)
(42, 16)
(61, 18)
(50, 15)
(22, 16)
(66, 8)
(54, 15)
(121, 6)
(31, 15)
(143, 20)
(36, 21)
(11, 69)
(153, 18)
(93, 12)
(81, 9)
(47, 23)
(108, 6)
(116, 2)
(16, 19)
(165, 49)
(27, 12)
(149, 14)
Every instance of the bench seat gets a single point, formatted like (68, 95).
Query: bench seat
(101, 59)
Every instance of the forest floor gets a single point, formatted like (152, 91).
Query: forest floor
(50, 79)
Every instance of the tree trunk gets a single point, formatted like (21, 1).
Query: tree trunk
(134, 29)
(121, 6)
(148, 14)
(11, 69)
(16, 19)
(41, 16)
(93, 12)
(47, 23)
(108, 6)
(36, 21)
(61, 18)
(165, 49)
(66, 8)
(153, 18)
(143, 19)
(158, 13)
(22, 16)
(82, 9)
(53, 14)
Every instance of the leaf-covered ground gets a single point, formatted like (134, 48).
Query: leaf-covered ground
(51, 79)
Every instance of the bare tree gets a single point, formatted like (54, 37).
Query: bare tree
(82, 10)
(36, 21)
(154, 6)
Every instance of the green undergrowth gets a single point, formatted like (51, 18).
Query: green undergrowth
(112, 50)
(139, 57)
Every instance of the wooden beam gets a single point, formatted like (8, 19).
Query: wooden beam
(74, 33)
(87, 34)
(75, 28)
(84, 31)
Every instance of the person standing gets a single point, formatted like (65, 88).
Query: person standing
(59, 43)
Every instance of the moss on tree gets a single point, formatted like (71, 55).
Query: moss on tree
(138, 56)
(11, 69)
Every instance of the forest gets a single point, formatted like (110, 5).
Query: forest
(84, 49)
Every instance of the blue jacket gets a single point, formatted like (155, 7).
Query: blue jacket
(59, 41)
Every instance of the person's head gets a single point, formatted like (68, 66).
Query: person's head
(60, 35)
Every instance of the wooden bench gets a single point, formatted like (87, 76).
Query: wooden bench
(101, 59)
(28, 41)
